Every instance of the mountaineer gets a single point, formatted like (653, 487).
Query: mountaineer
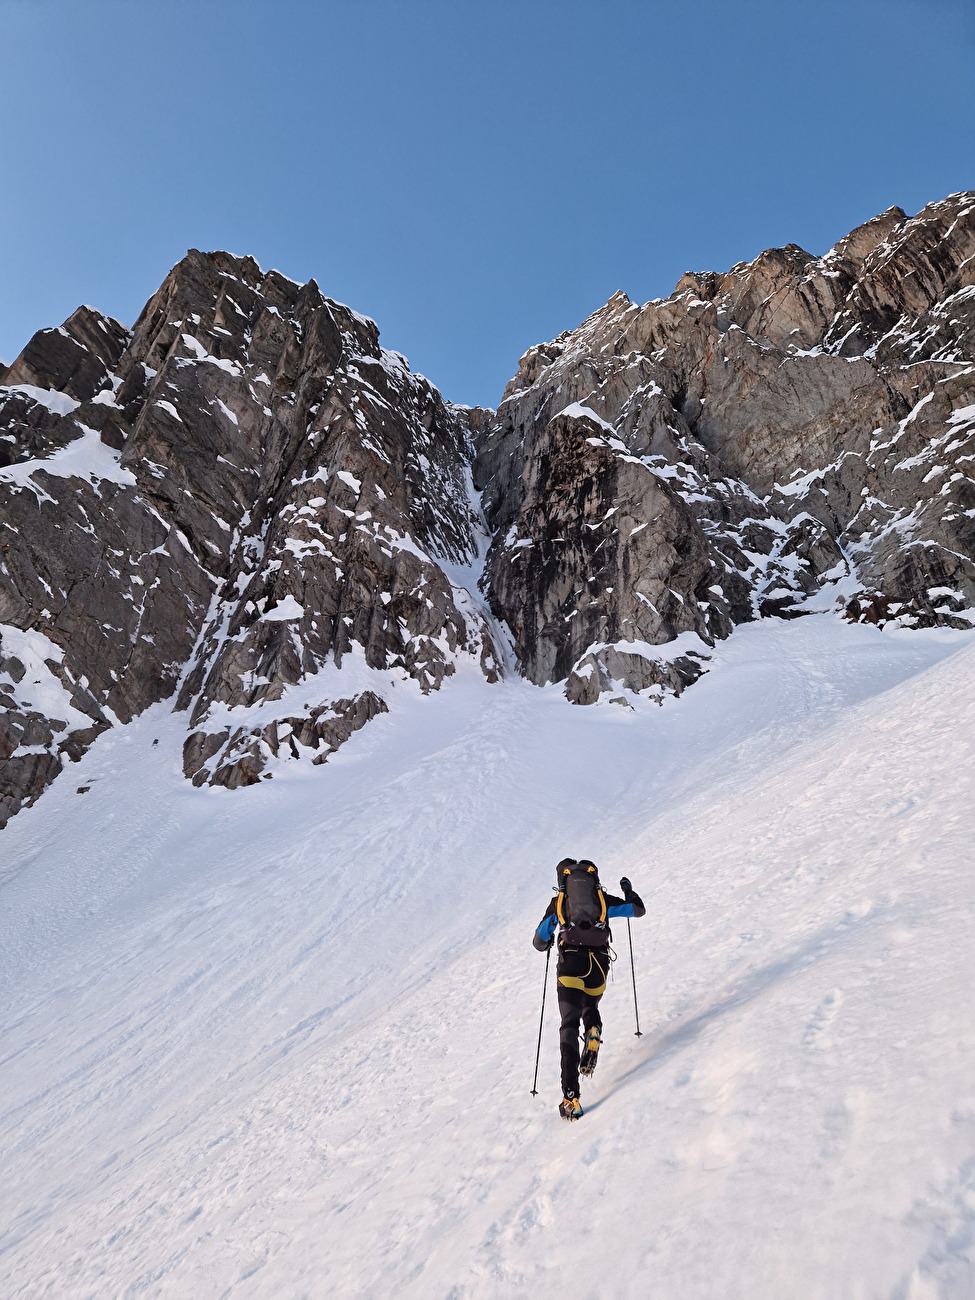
(581, 912)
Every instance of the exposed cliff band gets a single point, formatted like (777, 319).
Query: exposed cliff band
(249, 507)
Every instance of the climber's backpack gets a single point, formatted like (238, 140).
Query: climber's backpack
(581, 903)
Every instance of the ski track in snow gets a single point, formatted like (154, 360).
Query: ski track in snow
(279, 1041)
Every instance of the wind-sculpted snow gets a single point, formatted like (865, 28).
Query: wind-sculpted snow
(280, 1042)
(246, 491)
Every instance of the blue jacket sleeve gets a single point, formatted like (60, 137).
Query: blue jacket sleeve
(545, 930)
(632, 906)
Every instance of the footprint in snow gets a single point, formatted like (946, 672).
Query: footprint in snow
(816, 1034)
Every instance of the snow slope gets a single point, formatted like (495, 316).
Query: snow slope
(279, 1042)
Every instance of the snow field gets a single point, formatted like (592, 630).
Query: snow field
(279, 1041)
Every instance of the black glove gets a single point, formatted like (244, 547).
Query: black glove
(626, 887)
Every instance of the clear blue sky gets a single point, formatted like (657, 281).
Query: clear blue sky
(477, 175)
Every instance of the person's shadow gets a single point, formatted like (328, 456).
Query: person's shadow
(662, 1046)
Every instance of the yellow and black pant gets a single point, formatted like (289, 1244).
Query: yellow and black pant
(581, 976)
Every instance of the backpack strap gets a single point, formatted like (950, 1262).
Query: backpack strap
(591, 868)
(560, 900)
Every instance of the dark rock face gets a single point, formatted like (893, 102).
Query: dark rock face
(253, 491)
(236, 758)
(813, 416)
(247, 506)
(342, 480)
(78, 358)
(604, 559)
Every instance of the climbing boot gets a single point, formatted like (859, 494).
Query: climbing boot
(570, 1107)
(590, 1051)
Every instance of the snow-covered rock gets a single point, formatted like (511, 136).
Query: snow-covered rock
(248, 506)
(262, 489)
(813, 415)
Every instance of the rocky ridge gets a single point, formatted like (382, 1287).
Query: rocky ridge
(246, 505)
(813, 418)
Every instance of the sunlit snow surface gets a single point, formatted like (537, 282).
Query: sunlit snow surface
(279, 1041)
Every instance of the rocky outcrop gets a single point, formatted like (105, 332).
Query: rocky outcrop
(345, 483)
(604, 559)
(247, 506)
(813, 416)
(77, 359)
(237, 757)
(241, 492)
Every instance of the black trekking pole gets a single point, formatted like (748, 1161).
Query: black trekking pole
(636, 1007)
(541, 1018)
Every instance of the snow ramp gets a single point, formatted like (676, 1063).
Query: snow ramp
(279, 1042)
